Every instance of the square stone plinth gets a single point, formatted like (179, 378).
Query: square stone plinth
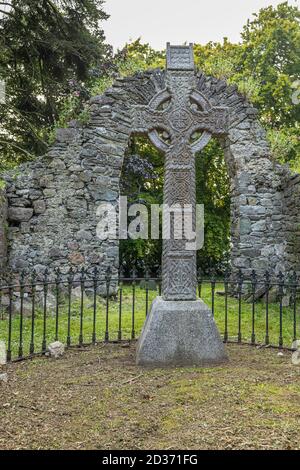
(180, 333)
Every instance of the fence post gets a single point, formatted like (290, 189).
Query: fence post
(121, 276)
(82, 285)
(107, 280)
(95, 286)
(33, 292)
(22, 282)
(70, 286)
(240, 291)
(294, 301)
(147, 278)
(134, 275)
(57, 283)
(10, 307)
(253, 286)
(267, 287)
(226, 283)
(45, 293)
(213, 289)
(281, 288)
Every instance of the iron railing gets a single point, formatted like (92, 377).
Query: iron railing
(81, 308)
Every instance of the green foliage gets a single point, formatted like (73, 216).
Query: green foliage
(47, 46)
(216, 59)
(270, 54)
(213, 190)
(142, 182)
(265, 67)
(138, 57)
(285, 146)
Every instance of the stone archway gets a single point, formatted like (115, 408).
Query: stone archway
(52, 202)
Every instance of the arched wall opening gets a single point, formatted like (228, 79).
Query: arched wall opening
(52, 202)
(141, 181)
(213, 189)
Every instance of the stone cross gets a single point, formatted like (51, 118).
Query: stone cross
(179, 121)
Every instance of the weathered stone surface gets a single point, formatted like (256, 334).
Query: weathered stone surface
(65, 135)
(56, 350)
(3, 231)
(4, 378)
(180, 333)
(76, 258)
(39, 207)
(296, 344)
(296, 358)
(77, 293)
(27, 307)
(19, 214)
(2, 353)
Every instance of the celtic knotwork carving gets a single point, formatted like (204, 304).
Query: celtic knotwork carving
(181, 184)
(180, 58)
(180, 119)
(182, 112)
(181, 274)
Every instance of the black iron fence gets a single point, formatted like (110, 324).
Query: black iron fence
(81, 308)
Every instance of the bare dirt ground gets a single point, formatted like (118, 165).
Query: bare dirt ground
(98, 399)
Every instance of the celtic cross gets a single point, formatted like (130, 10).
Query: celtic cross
(179, 121)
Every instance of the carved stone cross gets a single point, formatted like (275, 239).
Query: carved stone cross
(180, 122)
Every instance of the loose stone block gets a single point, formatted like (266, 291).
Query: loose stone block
(296, 344)
(296, 358)
(2, 353)
(4, 378)
(56, 350)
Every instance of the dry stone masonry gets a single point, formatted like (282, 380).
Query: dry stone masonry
(48, 211)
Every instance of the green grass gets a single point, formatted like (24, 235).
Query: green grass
(139, 317)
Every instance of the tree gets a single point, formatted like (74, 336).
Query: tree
(48, 48)
(271, 55)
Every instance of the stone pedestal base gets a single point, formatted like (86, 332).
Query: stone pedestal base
(180, 333)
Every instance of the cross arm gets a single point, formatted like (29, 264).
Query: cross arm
(214, 120)
(146, 120)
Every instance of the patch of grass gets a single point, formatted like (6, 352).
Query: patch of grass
(132, 322)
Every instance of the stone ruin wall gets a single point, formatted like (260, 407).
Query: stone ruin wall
(48, 211)
(52, 206)
(291, 205)
(3, 231)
